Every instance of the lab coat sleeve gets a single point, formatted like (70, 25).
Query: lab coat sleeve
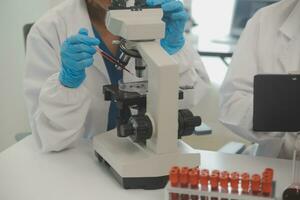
(236, 105)
(194, 80)
(57, 114)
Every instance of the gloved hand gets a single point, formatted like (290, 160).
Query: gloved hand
(76, 54)
(175, 18)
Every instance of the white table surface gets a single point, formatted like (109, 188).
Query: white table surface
(75, 174)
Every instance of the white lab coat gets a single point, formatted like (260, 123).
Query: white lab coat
(270, 44)
(60, 115)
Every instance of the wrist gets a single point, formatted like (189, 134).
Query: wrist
(174, 45)
(71, 78)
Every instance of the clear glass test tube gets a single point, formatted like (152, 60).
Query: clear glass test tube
(296, 169)
(293, 191)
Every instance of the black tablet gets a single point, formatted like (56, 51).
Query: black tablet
(276, 103)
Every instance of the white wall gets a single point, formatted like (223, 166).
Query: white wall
(53, 3)
(13, 15)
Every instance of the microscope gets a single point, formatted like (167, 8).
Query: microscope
(147, 141)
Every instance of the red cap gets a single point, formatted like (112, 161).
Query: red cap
(217, 172)
(205, 171)
(269, 170)
(268, 173)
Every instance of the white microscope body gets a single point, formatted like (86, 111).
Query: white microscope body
(146, 165)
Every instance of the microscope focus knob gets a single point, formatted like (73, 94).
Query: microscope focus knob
(142, 128)
(125, 130)
(187, 123)
(138, 127)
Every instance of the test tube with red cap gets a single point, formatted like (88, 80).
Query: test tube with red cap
(234, 181)
(184, 181)
(204, 178)
(267, 181)
(174, 181)
(194, 181)
(255, 184)
(214, 182)
(245, 182)
(224, 180)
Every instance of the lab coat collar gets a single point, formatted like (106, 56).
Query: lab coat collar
(291, 26)
(289, 50)
(81, 19)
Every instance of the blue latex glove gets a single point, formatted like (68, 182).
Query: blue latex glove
(175, 18)
(76, 54)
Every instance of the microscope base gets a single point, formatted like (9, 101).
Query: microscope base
(136, 167)
(146, 183)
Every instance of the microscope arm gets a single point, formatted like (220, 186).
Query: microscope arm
(162, 97)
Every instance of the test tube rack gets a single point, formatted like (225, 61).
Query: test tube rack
(195, 184)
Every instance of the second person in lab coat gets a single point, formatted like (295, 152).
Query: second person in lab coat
(270, 44)
(63, 89)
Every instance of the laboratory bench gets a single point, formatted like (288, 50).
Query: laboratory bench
(75, 174)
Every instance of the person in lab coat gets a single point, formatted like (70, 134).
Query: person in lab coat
(63, 92)
(270, 44)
